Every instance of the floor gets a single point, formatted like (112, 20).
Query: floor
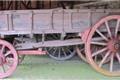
(45, 68)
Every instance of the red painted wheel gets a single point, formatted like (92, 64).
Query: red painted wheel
(8, 59)
(108, 30)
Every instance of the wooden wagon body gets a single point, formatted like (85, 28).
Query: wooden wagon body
(50, 21)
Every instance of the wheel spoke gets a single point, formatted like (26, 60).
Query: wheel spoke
(54, 51)
(59, 54)
(104, 58)
(9, 62)
(6, 67)
(2, 49)
(8, 52)
(104, 37)
(97, 39)
(69, 50)
(99, 43)
(111, 63)
(50, 48)
(117, 27)
(99, 51)
(82, 49)
(64, 52)
(118, 57)
(95, 58)
(3, 68)
(108, 29)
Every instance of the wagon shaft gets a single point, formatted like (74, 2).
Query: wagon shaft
(31, 52)
(49, 44)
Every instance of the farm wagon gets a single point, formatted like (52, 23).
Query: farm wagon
(93, 33)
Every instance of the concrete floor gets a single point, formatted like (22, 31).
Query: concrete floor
(45, 68)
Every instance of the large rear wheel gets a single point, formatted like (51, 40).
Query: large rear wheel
(108, 29)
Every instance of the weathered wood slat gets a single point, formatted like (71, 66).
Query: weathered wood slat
(53, 43)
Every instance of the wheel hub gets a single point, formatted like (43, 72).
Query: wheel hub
(114, 45)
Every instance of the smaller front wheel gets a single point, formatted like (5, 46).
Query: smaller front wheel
(8, 59)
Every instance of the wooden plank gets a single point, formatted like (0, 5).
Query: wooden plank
(49, 44)
(22, 21)
(4, 22)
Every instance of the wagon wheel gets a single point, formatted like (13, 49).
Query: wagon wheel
(20, 57)
(61, 52)
(108, 29)
(8, 59)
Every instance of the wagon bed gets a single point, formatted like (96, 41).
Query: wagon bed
(50, 21)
